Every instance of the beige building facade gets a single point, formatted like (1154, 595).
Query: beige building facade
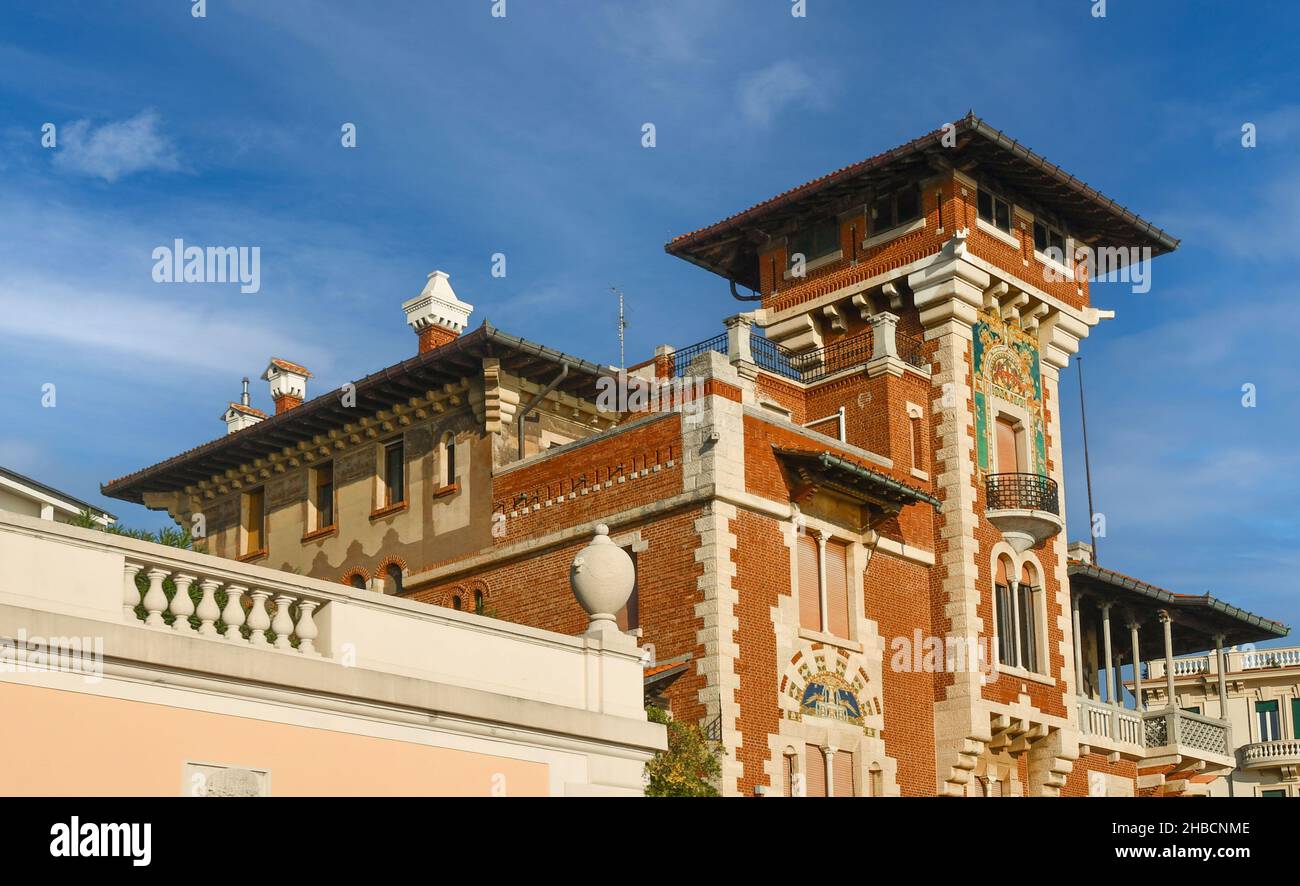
(229, 679)
(1262, 692)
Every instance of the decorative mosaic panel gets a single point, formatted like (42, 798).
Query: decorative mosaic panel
(1006, 369)
(830, 686)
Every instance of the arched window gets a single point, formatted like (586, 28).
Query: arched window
(455, 602)
(1027, 615)
(478, 602)
(358, 581)
(393, 579)
(448, 467)
(1005, 613)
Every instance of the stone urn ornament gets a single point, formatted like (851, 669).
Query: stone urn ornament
(602, 577)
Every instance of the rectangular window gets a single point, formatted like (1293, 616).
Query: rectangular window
(810, 605)
(814, 772)
(994, 210)
(895, 208)
(1028, 628)
(815, 240)
(1046, 237)
(324, 496)
(1273, 793)
(1006, 621)
(1295, 718)
(254, 521)
(1008, 449)
(844, 765)
(917, 452)
(787, 775)
(1267, 715)
(837, 588)
(629, 617)
(394, 474)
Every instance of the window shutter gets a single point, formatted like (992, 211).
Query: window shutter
(787, 775)
(810, 607)
(814, 776)
(844, 766)
(1295, 718)
(837, 588)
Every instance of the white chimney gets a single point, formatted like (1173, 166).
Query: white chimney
(240, 415)
(436, 314)
(288, 383)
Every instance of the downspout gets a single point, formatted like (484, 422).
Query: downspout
(532, 404)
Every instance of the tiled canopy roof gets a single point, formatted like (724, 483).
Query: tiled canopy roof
(730, 247)
(1203, 614)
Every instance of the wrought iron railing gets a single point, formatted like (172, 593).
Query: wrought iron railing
(821, 363)
(1029, 492)
(911, 349)
(682, 359)
(806, 366)
(713, 729)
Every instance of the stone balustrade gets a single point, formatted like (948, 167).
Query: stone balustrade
(55, 569)
(219, 603)
(1238, 660)
(1117, 728)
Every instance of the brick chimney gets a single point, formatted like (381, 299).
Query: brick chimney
(436, 314)
(288, 383)
(241, 415)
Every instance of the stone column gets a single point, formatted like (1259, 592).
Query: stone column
(948, 293)
(1078, 645)
(1110, 661)
(1169, 658)
(1137, 666)
(738, 332)
(821, 580)
(884, 335)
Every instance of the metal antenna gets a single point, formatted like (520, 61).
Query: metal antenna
(622, 324)
(1087, 467)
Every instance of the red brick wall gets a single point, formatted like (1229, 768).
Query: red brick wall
(958, 210)
(896, 598)
(762, 576)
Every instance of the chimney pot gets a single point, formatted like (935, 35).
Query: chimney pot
(288, 383)
(436, 314)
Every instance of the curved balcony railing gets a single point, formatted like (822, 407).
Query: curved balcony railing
(1263, 754)
(1022, 492)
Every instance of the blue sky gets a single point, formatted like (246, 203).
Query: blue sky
(522, 135)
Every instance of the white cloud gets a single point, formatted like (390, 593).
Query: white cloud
(115, 149)
(767, 92)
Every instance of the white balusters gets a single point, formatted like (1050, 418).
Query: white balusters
(258, 619)
(306, 630)
(208, 612)
(130, 593)
(233, 614)
(282, 624)
(291, 617)
(155, 599)
(182, 607)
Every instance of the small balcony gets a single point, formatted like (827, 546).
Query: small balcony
(1191, 739)
(1025, 508)
(1282, 754)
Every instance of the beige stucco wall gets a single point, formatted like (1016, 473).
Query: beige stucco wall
(147, 752)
